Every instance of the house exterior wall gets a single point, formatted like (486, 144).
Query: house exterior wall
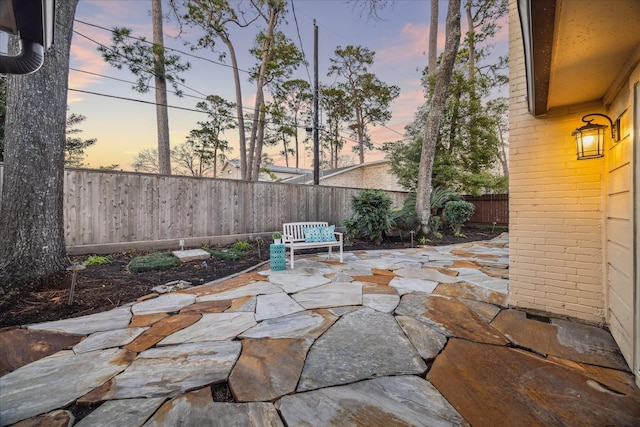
(376, 176)
(619, 231)
(228, 171)
(556, 205)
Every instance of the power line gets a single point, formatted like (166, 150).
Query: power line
(118, 53)
(295, 18)
(222, 64)
(128, 81)
(139, 100)
(232, 117)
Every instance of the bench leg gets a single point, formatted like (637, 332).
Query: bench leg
(291, 258)
(330, 252)
(340, 254)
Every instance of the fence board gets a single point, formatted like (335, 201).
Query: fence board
(491, 209)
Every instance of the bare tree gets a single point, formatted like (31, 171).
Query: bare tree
(32, 243)
(436, 112)
(433, 39)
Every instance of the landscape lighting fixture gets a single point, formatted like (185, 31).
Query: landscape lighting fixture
(590, 137)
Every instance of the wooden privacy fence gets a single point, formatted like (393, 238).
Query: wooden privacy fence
(110, 210)
(491, 209)
(107, 207)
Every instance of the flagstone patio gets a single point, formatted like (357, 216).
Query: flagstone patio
(419, 336)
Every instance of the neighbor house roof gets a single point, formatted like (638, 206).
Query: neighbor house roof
(324, 174)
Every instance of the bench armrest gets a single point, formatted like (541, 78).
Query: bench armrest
(287, 238)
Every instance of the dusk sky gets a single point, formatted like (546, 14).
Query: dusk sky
(123, 128)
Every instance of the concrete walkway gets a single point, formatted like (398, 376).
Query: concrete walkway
(406, 337)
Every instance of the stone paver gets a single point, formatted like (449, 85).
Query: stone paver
(213, 327)
(108, 339)
(387, 401)
(169, 371)
(275, 305)
(382, 349)
(490, 385)
(450, 317)
(55, 381)
(164, 303)
(569, 340)
(425, 339)
(331, 295)
(197, 408)
(327, 344)
(191, 255)
(298, 325)
(117, 318)
(268, 368)
(125, 412)
(23, 346)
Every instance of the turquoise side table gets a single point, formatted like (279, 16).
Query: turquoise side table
(277, 257)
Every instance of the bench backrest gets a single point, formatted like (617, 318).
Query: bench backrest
(295, 229)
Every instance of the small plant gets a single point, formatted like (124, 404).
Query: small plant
(153, 261)
(242, 246)
(424, 241)
(232, 254)
(457, 213)
(96, 260)
(276, 235)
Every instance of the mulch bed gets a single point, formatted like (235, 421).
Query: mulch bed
(104, 287)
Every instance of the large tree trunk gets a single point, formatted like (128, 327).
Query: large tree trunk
(32, 246)
(433, 39)
(244, 169)
(435, 114)
(162, 111)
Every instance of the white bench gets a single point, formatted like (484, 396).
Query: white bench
(293, 238)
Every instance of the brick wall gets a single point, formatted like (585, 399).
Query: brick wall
(556, 206)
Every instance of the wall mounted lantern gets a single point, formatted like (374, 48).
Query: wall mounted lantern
(590, 137)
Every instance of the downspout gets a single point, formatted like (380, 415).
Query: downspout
(32, 22)
(30, 59)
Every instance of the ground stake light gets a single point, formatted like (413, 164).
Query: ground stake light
(590, 137)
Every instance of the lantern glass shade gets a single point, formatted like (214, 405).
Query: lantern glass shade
(589, 141)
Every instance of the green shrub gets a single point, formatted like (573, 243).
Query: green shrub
(457, 213)
(231, 254)
(372, 215)
(242, 246)
(153, 261)
(96, 260)
(406, 219)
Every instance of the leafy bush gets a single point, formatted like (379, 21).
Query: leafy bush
(96, 260)
(372, 215)
(439, 198)
(457, 213)
(153, 261)
(406, 219)
(242, 246)
(232, 254)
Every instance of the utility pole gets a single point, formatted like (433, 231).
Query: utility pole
(316, 142)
